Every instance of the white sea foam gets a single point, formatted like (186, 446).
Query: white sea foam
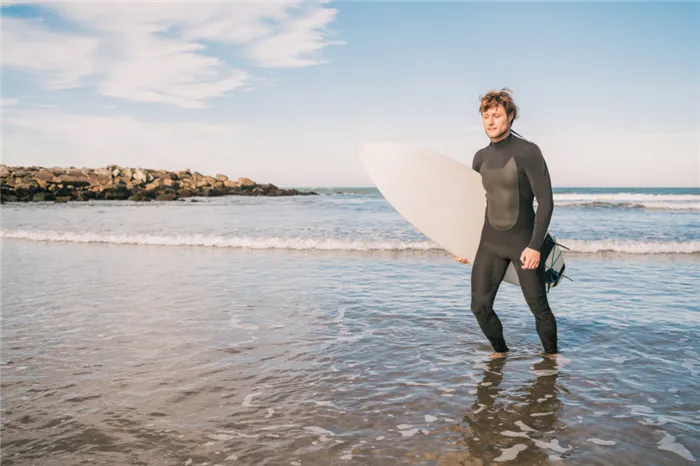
(318, 430)
(330, 244)
(673, 202)
(249, 398)
(221, 437)
(626, 197)
(552, 445)
(281, 426)
(509, 454)
(240, 242)
(668, 443)
(510, 433)
(524, 427)
(235, 322)
(631, 247)
(674, 206)
(598, 441)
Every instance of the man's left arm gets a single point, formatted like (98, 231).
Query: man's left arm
(538, 174)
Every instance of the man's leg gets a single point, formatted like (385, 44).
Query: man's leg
(487, 273)
(532, 283)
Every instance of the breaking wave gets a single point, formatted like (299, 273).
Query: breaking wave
(240, 242)
(678, 206)
(334, 244)
(677, 202)
(626, 197)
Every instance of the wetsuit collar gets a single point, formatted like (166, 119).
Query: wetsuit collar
(503, 142)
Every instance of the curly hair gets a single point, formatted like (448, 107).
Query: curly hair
(503, 97)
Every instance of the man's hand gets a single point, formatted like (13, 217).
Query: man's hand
(460, 259)
(530, 258)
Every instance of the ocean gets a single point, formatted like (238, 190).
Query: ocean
(318, 330)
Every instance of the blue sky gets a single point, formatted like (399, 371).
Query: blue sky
(285, 92)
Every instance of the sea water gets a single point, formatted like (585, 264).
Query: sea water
(326, 330)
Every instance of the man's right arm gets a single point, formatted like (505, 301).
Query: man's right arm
(477, 160)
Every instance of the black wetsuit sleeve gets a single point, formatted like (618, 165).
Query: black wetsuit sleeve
(537, 172)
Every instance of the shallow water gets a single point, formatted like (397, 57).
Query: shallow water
(138, 354)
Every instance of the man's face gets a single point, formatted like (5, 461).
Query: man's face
(496, 122)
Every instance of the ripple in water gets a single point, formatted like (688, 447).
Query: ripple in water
(130, 355)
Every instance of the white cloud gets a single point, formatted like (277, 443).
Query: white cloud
(64, 58)
(297, 42)
(156, 52)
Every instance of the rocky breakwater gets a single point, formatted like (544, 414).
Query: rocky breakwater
(26, 184)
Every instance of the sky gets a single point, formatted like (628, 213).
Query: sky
(285, 92)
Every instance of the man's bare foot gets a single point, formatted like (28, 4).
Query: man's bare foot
(498, 355)
(552, 355)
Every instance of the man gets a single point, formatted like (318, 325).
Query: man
(514, 173)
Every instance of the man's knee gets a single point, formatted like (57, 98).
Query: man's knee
(481, 305)
(539, 305)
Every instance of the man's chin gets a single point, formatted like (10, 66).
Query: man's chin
(496, 134)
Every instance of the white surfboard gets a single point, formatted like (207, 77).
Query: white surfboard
(441, 197)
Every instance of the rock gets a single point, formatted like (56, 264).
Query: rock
(267, 188)
(44, 175)
(245, 182)
(99, 178)
(212, 192)
(74, 180)
(155, 184)
(42, 197)
(141, 177)
(32, 183)
(118, 193)
(20, 173)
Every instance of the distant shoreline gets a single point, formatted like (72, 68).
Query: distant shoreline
(58, 184)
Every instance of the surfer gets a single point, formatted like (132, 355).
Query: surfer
(514, 173)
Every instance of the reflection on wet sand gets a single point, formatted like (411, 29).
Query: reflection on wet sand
(505, 424)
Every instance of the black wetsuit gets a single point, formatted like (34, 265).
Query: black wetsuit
(514, 173)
